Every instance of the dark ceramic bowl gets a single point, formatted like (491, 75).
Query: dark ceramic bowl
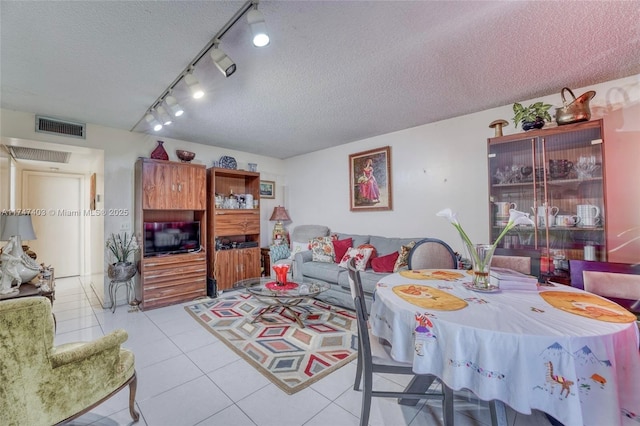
(185, 156)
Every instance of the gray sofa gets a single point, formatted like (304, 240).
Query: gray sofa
(338, 277)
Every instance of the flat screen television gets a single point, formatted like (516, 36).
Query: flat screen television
(171, 237)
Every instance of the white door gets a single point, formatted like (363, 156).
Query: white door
(57, 217)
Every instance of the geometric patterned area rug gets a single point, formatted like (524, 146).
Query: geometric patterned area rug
(289, 356)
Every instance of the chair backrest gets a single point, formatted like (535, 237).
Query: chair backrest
(577, 267)
(355, 284)
(432, 253)
(521, 264)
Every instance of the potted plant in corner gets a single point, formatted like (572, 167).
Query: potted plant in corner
(532, 117)
(121, 248)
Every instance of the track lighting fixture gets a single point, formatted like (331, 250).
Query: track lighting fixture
(174, 106)
(166, 102)
(194, 85)
(258, 27)
(222, 61)
(153, 122)
(165, 119)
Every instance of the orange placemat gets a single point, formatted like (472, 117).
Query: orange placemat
(431, 274)
(428, 297)
(588, 305)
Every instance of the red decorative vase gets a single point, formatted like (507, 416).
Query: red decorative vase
(159, 153)
(281, 273)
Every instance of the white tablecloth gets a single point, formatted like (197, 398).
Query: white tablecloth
(516, 347)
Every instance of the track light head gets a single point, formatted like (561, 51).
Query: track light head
(194, 85)
(151, 119)
(222, 61)
(165, 119)
(174, 106)
(258, 28)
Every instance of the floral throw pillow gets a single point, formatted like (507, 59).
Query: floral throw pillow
(322, 249)
(278, 252)
(361, 255)
(403, 258)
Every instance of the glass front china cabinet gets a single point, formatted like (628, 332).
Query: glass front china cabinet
(556, 175)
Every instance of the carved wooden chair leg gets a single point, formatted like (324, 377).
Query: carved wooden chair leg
(133, 386)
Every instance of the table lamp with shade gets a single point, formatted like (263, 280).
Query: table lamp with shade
(279, 233)
(16, 265)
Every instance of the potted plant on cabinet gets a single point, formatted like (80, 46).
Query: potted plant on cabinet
(121, 248)
(532, 117)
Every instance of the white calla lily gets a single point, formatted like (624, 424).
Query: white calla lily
(515, 218)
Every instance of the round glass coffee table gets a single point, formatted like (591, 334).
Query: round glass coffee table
(275, 297)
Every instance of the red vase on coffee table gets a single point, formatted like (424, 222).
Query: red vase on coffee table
(281, 273)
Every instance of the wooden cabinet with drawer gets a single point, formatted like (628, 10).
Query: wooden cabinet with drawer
(172, 279)
(234, 235)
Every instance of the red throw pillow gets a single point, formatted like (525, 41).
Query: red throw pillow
(385, 263)
(341, 247)
(374, 252)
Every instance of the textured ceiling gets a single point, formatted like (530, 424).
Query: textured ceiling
(335, 72)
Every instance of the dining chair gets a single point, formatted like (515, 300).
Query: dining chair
(373, 357)
(521, 264)
(432, 253)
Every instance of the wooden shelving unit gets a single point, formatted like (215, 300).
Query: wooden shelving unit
(230, 229)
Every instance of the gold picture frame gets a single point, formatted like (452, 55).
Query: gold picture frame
(370, 180)
(267, 189)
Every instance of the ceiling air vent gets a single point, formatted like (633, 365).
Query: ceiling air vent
(60, 127)
(23, 153)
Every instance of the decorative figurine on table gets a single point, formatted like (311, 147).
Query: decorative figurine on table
(10, 264)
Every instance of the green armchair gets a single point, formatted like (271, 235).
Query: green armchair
(44, 385)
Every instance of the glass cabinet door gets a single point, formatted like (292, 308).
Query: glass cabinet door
(556, 175)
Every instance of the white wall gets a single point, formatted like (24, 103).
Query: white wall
(444, 164)
(121, 149)
(437, 165)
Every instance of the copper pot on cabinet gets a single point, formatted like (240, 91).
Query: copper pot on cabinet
(576, 111)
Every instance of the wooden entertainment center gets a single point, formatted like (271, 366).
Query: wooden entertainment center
(167, 191)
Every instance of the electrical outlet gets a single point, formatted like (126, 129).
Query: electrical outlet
(125, 226)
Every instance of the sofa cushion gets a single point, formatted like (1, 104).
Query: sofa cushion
(358, 240)
(304, 233)
(385, 263)
(340, 247)
(278, 251)
(322, 249)
(322, 270)
(374, 253)
(368, 277)
(385, 245)
(361, 255)
(297, 247)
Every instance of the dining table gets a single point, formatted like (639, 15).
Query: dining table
(553, 348)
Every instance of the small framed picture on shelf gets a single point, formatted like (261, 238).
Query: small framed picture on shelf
(267, 189)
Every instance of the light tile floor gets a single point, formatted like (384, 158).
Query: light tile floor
(188, 377)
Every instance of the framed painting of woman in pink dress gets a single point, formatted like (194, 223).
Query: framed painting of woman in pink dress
(370, 176)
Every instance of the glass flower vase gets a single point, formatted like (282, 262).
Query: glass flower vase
(481, 255)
